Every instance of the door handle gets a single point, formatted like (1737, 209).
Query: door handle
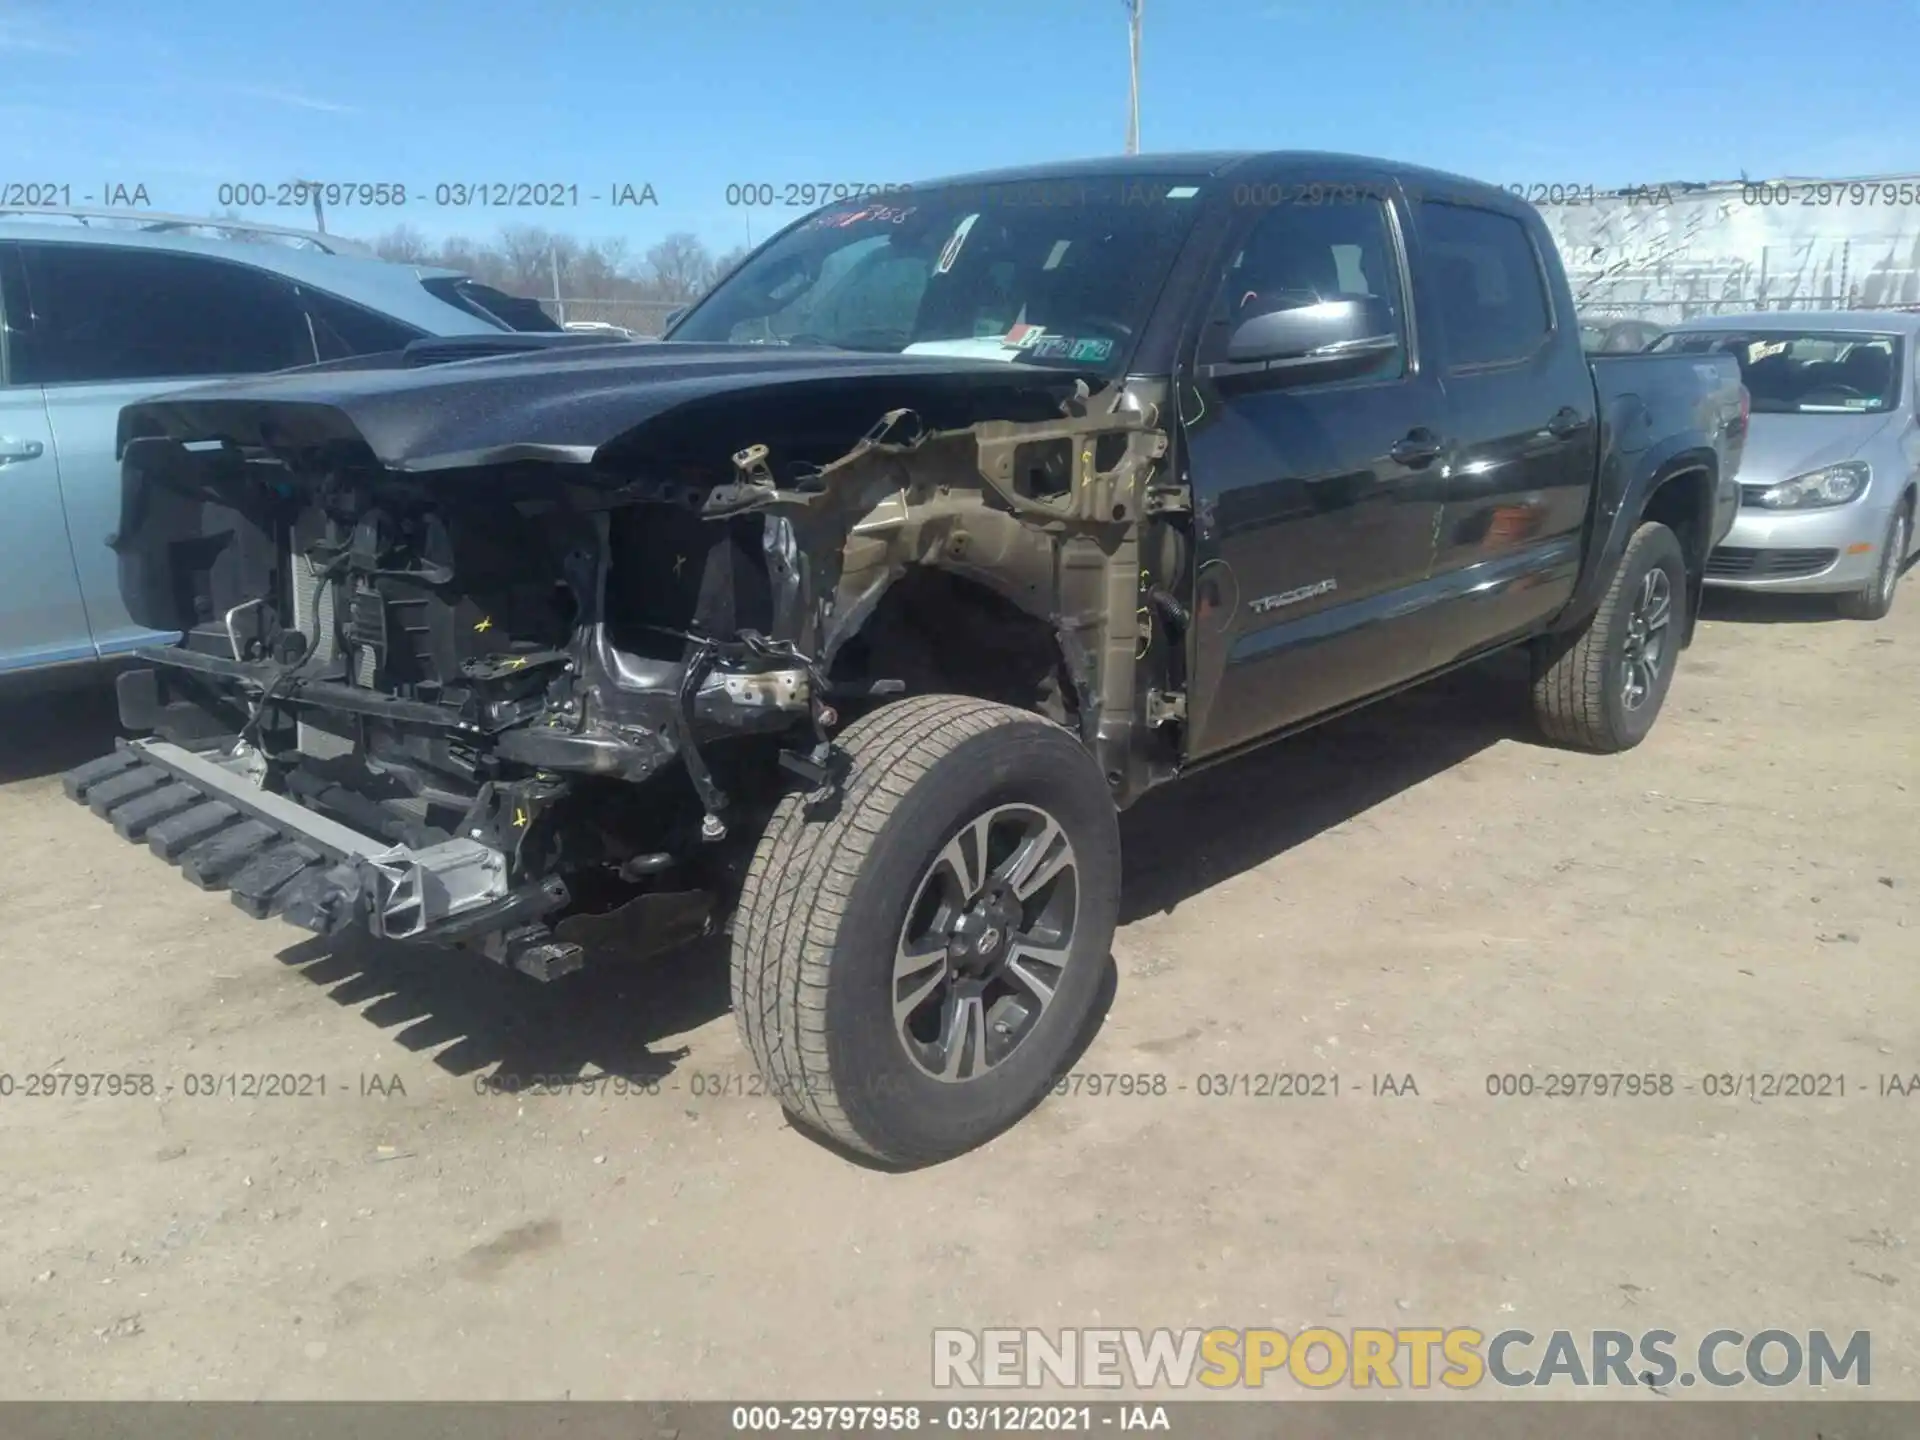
(12, 449)
(1566, 421)
(1416, 448)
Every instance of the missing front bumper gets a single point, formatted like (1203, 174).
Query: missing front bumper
(274, 857)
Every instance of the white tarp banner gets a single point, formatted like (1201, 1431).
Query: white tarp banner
(1664, 253)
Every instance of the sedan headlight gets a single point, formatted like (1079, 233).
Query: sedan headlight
(1817, 489)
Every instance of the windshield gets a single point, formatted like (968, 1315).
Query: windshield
(1803, 372)
(1052, 272)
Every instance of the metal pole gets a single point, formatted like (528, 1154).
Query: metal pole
(1134, 7)
(319, 215)
(553, 266)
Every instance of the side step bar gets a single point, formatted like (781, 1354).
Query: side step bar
(275, 857)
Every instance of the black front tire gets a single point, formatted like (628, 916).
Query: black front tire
(1580, 679)
(828, 895)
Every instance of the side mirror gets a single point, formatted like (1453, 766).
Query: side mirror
(673, 318)
(1324, 336)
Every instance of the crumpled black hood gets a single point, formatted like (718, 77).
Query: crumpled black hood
(553, 406)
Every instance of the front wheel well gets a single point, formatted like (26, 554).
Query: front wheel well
(941, 633)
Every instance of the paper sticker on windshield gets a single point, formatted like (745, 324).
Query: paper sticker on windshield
(1023, 336)
(840, 220)
(1761, 349)
(952, 251)
(1051, 347)
(1095, 350)
(1183, 192)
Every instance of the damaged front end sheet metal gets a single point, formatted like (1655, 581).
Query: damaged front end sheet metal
(1043, 512)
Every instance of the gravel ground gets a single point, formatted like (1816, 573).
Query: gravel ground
(1417, 892)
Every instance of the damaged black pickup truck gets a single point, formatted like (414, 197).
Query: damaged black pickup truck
(846, 619)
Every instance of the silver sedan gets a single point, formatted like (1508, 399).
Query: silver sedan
(1828, 481)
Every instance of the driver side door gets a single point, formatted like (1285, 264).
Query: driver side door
(1316, 492)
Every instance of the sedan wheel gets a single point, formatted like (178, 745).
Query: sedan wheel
(1874, 600)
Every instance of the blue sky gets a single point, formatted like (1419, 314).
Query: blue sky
(690, 97)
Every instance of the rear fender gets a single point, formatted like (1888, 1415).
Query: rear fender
(1628, 482)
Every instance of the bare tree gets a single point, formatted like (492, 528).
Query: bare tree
(679, 267)
(726, 264)
(530, 253)
(404, 244)
(599, 279)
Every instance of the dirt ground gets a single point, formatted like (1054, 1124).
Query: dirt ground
(1419, 890)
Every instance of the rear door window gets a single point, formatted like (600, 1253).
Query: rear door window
(1485, 280)
(105, 313)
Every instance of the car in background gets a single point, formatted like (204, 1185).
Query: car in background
(1828, 483)
(604, 328)
(96, 315)
(1618, 337)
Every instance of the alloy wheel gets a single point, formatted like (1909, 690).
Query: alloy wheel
(1646, 648)
(985, 942)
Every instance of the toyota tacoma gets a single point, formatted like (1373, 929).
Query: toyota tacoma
(846, 619)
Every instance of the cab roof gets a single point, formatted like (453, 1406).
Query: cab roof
(1210, 163)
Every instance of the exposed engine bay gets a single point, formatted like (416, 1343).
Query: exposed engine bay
(530, 698)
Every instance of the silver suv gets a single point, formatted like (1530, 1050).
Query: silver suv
(119, 306)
